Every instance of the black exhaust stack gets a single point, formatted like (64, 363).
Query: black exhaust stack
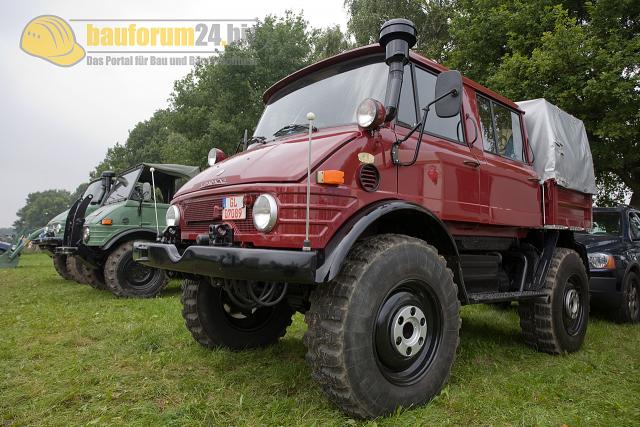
(107, 180)
(397, 36)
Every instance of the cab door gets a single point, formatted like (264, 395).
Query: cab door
(509, 187)
(446, 175)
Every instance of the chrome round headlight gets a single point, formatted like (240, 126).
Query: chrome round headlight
(173, 216)
(370, 114)
(56, 228)
(265, 213)
(86, 234)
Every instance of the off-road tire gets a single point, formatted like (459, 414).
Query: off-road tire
(60, 265)
(629, 310)
(95, 278)
(542, 323)
(115, 275)
(203, 310)
(342, 350)
(76, 268)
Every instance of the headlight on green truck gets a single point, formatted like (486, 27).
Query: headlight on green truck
(86, 234)
(173, 216)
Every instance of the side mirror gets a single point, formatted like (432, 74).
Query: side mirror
(449, 83)
(146, 191)
(216, 155)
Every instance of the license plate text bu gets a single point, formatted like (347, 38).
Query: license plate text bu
(233, 208)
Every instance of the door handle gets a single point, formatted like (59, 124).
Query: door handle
(472, 163)
(532, 179)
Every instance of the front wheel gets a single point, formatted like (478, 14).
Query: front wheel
(76, 269)
(214, 320)
(126, 278)
(559, 324)
(629, 310)
(383, 334)
(60, 265)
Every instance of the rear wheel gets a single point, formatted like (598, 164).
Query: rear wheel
(126, 278)
(383, 334)
(215, 321)
(60, 264)
(76, 269)
(629, 311)
(559, 325)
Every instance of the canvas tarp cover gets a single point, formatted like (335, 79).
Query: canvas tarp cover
(560, 146)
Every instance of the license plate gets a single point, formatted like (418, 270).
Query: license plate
(233, 208)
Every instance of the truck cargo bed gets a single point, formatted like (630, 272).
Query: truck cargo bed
(564, 208)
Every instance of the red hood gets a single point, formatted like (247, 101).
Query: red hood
(284, 160)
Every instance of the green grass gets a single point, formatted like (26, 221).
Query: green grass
(71, 355)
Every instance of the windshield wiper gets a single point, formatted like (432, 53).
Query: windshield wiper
(293, 128)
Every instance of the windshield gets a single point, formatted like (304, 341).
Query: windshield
(606, 223)
(333, 94)
(96, 189)
(122, 187)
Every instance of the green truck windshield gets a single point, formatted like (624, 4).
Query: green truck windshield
(122, 187)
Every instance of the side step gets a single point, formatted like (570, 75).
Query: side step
(489, 297)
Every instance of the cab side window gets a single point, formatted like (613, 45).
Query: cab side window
(407, 105)
(634, 226)
(501, 130)
(450, 127)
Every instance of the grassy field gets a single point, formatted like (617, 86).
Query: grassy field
(71, 355)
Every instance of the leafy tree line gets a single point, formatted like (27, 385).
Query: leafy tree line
(583, 56)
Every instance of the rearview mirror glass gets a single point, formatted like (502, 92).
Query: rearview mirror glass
(449, 82)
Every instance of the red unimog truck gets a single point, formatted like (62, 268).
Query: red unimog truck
(377, 221)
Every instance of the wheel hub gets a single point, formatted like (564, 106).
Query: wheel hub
(572, 303)
(408, 330)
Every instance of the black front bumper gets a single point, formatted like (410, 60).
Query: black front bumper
(266, 265)
(47, 244)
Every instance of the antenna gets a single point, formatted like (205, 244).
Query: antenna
(155, 204)
(306, 246)
(244, 141)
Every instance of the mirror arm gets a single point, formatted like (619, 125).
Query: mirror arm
(421, 125)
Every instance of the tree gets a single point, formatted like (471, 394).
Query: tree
(40, 207)
(431, 18)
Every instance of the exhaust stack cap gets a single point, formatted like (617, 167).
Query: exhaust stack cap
(108, 174)
(397, 36)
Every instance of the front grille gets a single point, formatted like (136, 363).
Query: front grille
(200, 213)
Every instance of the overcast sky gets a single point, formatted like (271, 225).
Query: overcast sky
(56, 123)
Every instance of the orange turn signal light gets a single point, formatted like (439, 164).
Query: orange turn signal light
(332, 177)
(106, 221)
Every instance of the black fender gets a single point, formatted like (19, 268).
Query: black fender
(130, 234)
(342, 242)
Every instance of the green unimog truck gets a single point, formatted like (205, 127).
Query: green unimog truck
(53, 233)
(99, 245)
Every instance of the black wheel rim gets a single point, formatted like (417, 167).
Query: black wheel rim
(408, 332)
(573, 307)
(137, 276)
(633, 299)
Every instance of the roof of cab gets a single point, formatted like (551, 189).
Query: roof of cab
(377, 49)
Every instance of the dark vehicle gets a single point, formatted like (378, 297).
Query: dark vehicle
(379, 220)
(100, 243)
(53, 233)
(613, 247)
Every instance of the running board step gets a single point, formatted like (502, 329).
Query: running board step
(488, 297)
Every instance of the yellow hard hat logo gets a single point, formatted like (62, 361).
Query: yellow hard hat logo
(50, 37)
